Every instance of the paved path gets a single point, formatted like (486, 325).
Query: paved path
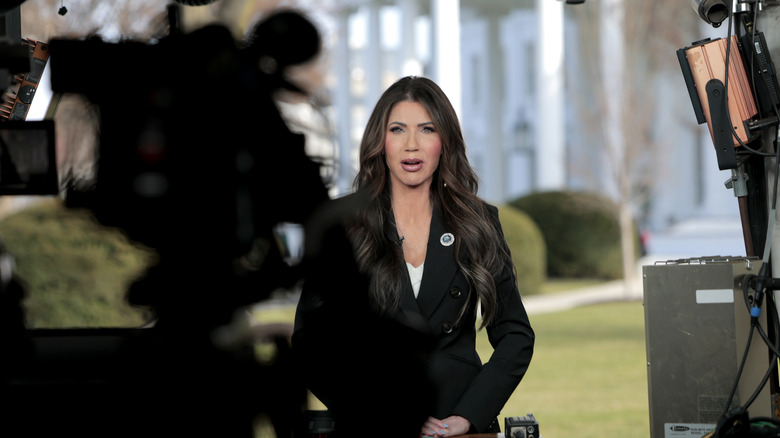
(689, 240)
(555, 302)
(616, 290)
(536, 304)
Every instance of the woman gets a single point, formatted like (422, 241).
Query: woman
(432, 250)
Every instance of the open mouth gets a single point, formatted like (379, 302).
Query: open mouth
(411, 164)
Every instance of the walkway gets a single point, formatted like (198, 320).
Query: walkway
(555, 302)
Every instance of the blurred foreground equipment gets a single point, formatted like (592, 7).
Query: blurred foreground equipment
(196, 162)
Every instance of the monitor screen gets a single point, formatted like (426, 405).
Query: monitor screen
(28, 165)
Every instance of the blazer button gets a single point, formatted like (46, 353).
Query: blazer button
(447, 327)
(455, 292)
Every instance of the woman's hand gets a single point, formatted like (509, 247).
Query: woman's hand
(451, 426)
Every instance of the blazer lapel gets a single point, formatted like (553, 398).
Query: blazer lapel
(440, 266)
(408, 302)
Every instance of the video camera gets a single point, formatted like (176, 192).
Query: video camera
(195, 159)
(196, 162)
(191, 139)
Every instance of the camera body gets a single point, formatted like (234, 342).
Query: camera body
(521, 427)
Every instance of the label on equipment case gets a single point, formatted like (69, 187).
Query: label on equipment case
(687, 430)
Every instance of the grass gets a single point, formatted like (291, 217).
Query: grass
(588, 375)
(74, 270)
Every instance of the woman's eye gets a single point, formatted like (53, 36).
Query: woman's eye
(428, 129)
(396, 129)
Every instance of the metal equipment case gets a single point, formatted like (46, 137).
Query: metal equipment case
(696, 329)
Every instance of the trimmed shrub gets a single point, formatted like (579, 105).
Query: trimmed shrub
(527, 247)
(581, 232)
(76, 272)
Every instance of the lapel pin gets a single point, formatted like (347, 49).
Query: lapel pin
(447, 239)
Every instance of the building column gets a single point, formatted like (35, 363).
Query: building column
(410, 64)
(612, 59)
(496, 178)
(445, 16)
(373, 53)
(550, 138)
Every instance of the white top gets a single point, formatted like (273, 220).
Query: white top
(416, 275)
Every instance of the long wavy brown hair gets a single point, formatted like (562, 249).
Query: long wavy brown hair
(479, 249)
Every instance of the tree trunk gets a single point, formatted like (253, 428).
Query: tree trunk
(628, 247)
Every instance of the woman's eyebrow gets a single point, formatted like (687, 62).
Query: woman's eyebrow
(404, 124)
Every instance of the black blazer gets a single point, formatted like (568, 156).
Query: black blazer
(464, 386)
(459, 384)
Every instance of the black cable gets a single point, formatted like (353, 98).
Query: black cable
(739, 373)
(773, 361)
(775, 349)
(726, 410)
(763, 383)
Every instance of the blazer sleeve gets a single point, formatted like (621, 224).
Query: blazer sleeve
(512, 338)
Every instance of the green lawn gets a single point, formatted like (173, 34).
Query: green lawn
(75, 271)
(588, 376)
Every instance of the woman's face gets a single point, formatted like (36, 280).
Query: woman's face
(412, 146)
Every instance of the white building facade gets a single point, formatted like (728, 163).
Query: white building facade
(511, 69)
